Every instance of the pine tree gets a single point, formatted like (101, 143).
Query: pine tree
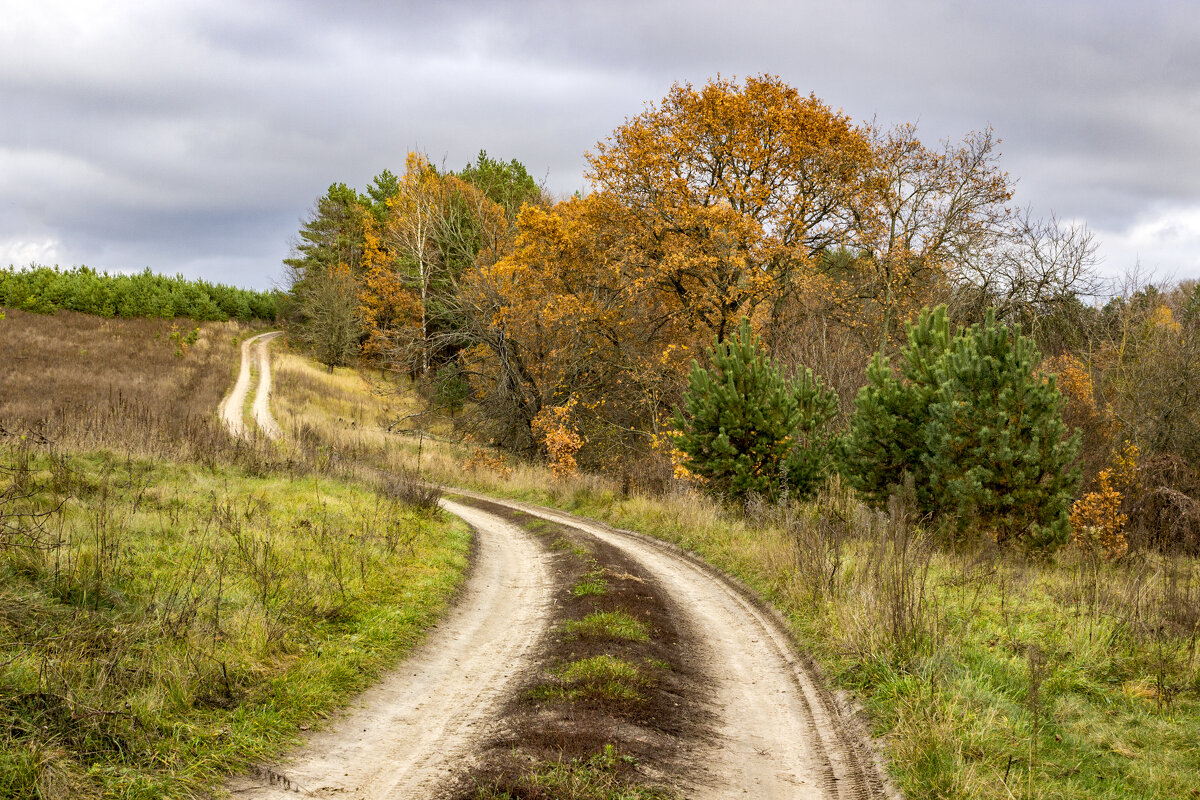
(741, 419)
(886, 440)
(997, 450)
(809, 459)
(979, 433)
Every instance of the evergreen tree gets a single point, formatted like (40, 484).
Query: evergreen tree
(741, 419)
(978, 431)
(997, 449)
(886, 440)
(810, 457)
(383, 187)
(507, 184)
(332, 235)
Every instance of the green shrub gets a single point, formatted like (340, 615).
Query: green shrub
(746, 429)
(978, 432)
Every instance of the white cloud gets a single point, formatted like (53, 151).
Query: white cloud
(1164, 244)
(23, 252)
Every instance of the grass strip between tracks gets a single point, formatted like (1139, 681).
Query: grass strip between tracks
(614, 706)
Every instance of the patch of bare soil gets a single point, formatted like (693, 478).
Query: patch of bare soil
(616, 703)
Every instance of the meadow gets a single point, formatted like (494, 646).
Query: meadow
(176, 604)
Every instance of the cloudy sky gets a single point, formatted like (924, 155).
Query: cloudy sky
(193, 136)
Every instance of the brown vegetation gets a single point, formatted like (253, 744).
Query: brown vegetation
(134, 386)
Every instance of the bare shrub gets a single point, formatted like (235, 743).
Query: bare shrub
(412, 491)
(892, 584)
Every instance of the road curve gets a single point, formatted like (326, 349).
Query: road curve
(781, 734)
(231, 407)
(407, 733)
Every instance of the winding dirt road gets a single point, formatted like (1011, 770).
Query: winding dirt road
(232, 406)
(780, 733)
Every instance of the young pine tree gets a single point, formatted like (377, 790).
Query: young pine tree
(976, 429)
(746, 429)
(997, 450)
(886, 440)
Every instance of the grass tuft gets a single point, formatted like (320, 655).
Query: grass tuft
(591, 584)
(608, 625)
(599, 678)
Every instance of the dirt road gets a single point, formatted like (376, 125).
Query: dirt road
(232, 406)
(411, 730)
(780, 733)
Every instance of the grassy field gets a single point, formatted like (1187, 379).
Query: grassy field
(986, 675)
(176, 604)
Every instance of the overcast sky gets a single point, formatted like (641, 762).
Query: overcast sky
(193, 137)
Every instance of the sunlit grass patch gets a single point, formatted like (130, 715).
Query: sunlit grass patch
(592, 583)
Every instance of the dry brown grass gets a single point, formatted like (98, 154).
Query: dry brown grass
(129, 385)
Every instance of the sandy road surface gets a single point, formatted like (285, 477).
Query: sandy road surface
(262, 396)
(408, 732)
(780, 733)
(231, 407)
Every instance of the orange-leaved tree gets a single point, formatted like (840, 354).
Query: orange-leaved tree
(733, 188)
(572, 314)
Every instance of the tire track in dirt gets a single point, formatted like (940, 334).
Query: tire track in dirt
(780, 733)
(231, 407)
(262, 395)
(407, 734)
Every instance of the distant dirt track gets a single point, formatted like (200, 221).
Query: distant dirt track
(231, 407)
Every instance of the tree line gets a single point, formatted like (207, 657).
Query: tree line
(747, 209)
(44, 290)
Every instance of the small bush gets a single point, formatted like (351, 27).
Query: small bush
(746, 430)
(975, 428)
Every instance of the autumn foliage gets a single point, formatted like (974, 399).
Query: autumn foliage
(1097, 519)
(570, 327)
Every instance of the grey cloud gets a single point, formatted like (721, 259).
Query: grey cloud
(194, 136)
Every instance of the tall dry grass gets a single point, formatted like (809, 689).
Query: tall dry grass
(133, 386)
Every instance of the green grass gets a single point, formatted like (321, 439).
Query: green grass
(592, 584)
(594, 778)
(602, 677)
(608, 625)
(173, 623)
